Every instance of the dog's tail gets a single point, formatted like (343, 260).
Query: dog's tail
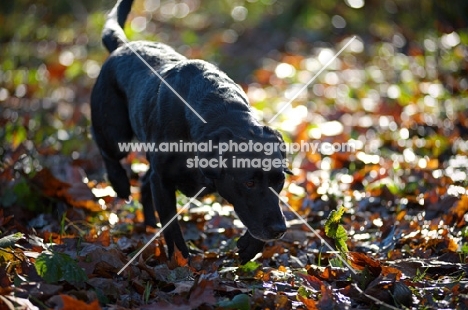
(113, 35)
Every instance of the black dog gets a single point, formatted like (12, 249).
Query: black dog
(129, 101)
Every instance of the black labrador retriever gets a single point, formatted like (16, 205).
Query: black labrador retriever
(130, 101)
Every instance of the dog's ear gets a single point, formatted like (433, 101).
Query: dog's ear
(279, 137)
(210, 160)
(211, 154)
(270, 131)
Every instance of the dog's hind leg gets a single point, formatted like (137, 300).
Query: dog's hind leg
(111, 127)
(117, 176)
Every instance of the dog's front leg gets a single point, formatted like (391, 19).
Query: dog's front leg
(147, 200)
(165, 201)
(249, 247)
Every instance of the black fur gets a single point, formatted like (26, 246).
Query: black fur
(129, 101)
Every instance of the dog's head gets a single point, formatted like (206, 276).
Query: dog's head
(250, 178)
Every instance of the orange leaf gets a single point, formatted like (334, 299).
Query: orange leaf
(309, 303)
(312, 281)
(70, 303)
(49, 184)
(177, 260)
(392, 270)
(361, 261)
(327, 274)
(459, 210)
(104, 238)
(77, 194)
(269, 251)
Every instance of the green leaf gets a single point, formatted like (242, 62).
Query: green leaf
(48, 267)
(55, 267)
(10, 240)
(304, 292)
(333, 221)
(464, 248)
(340, 240)
(464, 231)
(250, 266)
(336, 231)
(336, 262)
(241, 302)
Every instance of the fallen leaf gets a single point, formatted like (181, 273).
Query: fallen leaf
(77, 194)
(65, 302)
(202, 293)
(360, 261)
(177, 260)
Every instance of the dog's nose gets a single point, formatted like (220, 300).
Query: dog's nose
(277, 230)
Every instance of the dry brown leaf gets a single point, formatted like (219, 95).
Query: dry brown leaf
(76, 194)
(360, 261)
(202, 293)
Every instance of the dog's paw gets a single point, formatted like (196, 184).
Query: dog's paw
(249, 247)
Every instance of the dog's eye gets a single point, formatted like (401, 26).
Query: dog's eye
(249, 184)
